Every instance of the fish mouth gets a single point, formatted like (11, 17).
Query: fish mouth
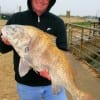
(3, 32)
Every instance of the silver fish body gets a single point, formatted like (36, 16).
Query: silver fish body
(37, 50)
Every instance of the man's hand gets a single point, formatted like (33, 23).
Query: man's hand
(5, 40)
(44, 73)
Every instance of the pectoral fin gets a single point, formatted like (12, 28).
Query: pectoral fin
(52, 37)
(23, 67)
(56, 88)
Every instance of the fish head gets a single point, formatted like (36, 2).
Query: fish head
(18, 38)
(8, 30)
(12, 31)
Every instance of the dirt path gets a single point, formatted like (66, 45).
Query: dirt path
(85, 80)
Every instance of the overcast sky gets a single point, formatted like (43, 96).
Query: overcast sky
(77, 7)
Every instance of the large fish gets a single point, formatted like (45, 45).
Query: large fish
(37, 51)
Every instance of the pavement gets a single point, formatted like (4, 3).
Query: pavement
(85, 78)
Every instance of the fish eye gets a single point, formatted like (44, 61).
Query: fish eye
(26, 49)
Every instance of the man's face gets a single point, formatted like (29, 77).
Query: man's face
(40, 6)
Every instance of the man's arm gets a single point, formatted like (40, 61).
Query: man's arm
(4, 45)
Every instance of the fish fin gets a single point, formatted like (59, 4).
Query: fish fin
(56, 88)
(23, 67)
(29, 60)
(52, 37)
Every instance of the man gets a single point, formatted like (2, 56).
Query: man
(35, 86)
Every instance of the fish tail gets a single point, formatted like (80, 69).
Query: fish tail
(82, 96)
(76, 93)
(85, 96)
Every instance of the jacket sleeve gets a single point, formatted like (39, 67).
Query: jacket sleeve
(3, 47)
(61, 40)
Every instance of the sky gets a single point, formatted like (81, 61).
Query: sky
(76, 7)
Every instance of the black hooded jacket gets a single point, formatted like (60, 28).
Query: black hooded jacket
(47, 22)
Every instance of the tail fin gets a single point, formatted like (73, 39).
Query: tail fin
(83, 96)
(86, 96)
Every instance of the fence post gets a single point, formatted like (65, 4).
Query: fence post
(0, 12)
(81, 42)
(69, 35)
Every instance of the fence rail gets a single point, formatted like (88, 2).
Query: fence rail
(84, 42)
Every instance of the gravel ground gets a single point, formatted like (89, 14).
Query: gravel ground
(85, 79)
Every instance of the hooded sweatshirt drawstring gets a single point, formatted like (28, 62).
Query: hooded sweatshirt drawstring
(38, 19)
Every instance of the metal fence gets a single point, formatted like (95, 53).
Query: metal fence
(84, 42)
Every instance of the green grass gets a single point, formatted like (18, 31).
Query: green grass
(0, 16)
(87, 24)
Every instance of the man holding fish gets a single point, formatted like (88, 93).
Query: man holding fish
(37, 85)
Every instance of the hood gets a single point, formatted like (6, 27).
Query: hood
(52, 2)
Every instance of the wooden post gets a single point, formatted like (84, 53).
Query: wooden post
(0, 12)
(68, 16)
(20, 8)
(81, 42)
